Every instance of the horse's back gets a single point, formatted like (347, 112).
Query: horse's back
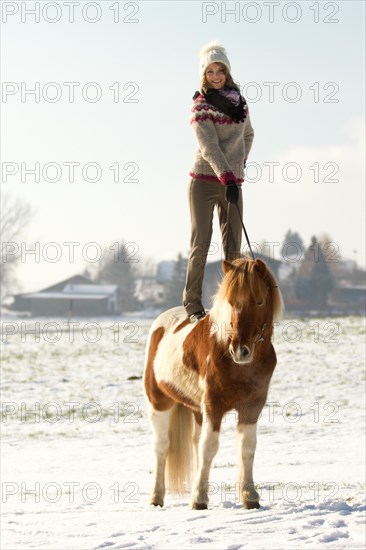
(170, 319)
(170, 322)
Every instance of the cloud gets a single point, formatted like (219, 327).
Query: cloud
(330, 195)
(314, 204)
(328, 173)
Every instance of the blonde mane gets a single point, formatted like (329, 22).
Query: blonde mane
(244, 279)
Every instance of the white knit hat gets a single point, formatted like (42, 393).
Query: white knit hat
(213, 52)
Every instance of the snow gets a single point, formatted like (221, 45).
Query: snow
(77, 459)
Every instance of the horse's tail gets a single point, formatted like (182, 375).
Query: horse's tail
(179, 459)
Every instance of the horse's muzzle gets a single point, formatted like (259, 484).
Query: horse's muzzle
(240, 355)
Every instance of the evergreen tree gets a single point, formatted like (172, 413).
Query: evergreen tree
(321, 275)
(292, 245)
(315, 279)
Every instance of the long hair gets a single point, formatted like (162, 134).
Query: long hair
(246, 278)
(229, 82)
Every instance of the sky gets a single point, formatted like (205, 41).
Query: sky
(116, 81)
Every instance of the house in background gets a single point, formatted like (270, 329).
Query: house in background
(349, 299)
(79, 296)
(76, 296)
(22, 303)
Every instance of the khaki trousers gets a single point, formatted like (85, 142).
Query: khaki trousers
(203, 197)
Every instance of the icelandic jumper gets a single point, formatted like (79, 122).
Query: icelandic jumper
(195, 373)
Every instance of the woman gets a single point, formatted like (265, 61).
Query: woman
(224, 134)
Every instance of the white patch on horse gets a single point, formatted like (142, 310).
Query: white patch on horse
(167, 319)
(220, 316)
(168, 364)
(170, 318)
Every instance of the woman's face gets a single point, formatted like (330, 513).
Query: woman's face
(215, 76)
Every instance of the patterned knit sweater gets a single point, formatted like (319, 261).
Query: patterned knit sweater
(223, 143)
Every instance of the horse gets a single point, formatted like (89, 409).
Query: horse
(196, 372)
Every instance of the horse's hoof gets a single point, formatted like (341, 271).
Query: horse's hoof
(199, 506)
(156, 502)
(251, 504)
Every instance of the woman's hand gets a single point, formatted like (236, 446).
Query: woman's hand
(232, 192)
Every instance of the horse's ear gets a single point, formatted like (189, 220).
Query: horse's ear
(260, 266)
(226, 266)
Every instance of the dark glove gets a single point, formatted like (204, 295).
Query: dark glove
(232, 192)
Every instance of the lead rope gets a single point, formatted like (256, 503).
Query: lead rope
(227, 232)
(228, 227)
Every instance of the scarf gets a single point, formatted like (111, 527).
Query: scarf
(229, 101)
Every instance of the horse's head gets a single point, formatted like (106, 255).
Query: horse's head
(246, 304)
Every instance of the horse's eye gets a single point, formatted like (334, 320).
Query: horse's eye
(259, 302)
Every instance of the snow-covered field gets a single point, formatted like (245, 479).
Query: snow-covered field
(77, 458)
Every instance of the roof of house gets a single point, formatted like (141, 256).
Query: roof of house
(75, 284)
(75, 292)
(91, 289)
(75, 279)
(64, 296)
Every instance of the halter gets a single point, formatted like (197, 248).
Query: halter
(260, 336)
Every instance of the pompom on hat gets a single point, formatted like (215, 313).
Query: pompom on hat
(213, 52)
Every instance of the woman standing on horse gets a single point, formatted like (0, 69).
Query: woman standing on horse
(224, 134)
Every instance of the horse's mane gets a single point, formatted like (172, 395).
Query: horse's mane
(246, 278)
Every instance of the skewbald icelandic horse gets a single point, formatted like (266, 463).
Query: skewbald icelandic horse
(195, 373)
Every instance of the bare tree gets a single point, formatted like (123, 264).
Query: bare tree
(15, 215)
(117, 266)
(174, 288)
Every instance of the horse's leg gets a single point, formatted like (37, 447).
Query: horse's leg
(208, 447)
(247, 434)
(197, 429)
(160, 421)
